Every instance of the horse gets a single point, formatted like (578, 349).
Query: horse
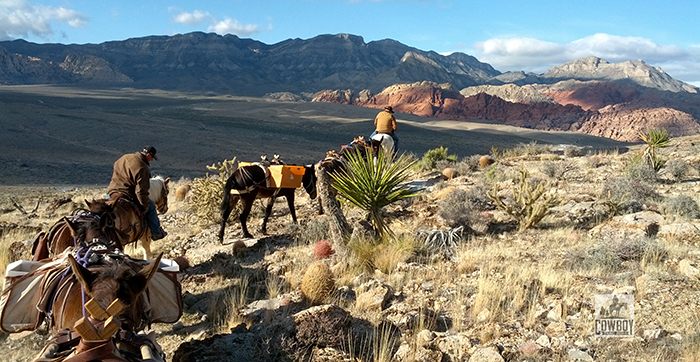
(66, 232)
(249, 182)
(105, 328)
(385, 141)
(129, 222)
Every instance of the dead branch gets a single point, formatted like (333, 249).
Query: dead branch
(18, 206)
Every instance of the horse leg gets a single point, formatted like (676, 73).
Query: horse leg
(268, 211)
(290, 202)
(146, 246)
(247, 202)
(226, 210)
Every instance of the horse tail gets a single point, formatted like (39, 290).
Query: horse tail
(226, 202)
(228, 186)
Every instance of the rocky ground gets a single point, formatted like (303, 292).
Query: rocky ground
(484, 291)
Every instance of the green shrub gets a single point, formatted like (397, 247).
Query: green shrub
(432, 157)
(207, 192)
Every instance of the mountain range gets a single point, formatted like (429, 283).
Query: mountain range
(591, 95)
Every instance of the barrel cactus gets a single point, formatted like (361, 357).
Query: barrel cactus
(318, 283)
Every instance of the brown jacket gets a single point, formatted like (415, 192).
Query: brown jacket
(131, 177)
(385, 122)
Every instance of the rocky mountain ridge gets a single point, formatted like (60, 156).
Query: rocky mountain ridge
(214, 63)
(342, 68)
(209, 62)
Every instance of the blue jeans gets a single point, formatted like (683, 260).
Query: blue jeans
(152, 219)
(393, 135)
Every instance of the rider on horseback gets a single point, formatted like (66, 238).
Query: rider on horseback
(131, 178)
(386, 123)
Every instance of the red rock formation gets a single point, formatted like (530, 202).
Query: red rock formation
(621, 122)
(593, 95)
(428, 100)
(624, 123)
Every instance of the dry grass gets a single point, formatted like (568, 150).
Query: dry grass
(226, 303)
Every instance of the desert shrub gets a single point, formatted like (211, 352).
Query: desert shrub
(384, 255)
(530, 149)
(207, 192)
(557, 170)
(312, 231)
(595, 161)
(572, 151)
(677, 168)
(467, 165)
(684, 206)
(463, 207)
(432, 157)
(609, 254)
(637, 169)
(529, 204)
(441, 243)
(624, 189)
(318, 284)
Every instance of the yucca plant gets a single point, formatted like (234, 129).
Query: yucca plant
(656, 138)
(371, 184)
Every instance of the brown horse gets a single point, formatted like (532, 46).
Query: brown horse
(249, 183)
(130, 224)
(69, 232)
(101, 274)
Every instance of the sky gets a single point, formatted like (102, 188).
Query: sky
(531, 36)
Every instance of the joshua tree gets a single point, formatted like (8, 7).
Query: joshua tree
(373, 183)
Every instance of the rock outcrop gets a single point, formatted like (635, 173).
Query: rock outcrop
(624, 123)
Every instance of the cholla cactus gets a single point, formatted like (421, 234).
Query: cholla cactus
(207, 192)
(318, 283)
(529, 204)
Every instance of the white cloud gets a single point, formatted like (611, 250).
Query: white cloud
(535, 55)
(225, 26)
(19, 18)
(194, 18)
(233, 26)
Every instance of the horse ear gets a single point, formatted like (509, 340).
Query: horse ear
(70, 226)
(166, 180)
(84, 276)
(139, 282)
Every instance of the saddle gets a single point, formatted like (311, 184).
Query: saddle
(122, 204)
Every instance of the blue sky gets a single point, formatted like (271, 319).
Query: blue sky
(509, 35)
